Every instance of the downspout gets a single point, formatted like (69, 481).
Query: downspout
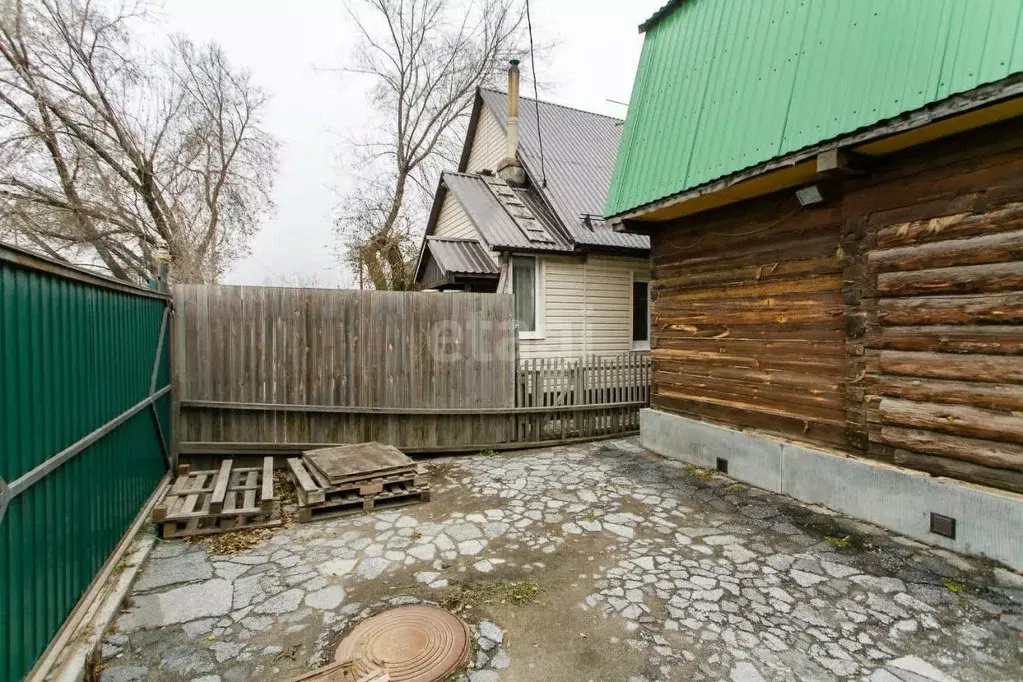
(586, 306)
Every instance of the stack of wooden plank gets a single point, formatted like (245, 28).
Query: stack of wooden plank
(207, 502)
(351, 479)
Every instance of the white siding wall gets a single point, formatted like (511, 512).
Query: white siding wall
(609, 302)
(563, 300)
(586, 303)
(587, 306)
(488, 145)
(453, 221)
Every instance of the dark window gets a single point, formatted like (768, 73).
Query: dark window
(641, 312)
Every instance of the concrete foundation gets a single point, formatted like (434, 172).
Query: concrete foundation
(988, 522)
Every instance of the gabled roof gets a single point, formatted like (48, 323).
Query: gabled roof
(724, 86)
(493, 221)
(579, 150)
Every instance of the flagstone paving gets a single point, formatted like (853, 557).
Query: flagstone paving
(591, 562)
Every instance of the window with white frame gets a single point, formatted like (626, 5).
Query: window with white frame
(526, 289)
(640, 315)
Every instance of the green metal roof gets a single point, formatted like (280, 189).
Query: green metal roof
(724, 85)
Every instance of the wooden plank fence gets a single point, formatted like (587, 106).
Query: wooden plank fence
(593, 396)
(285, 366)
(264, 370)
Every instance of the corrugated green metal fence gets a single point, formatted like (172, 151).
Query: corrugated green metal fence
(84, 420)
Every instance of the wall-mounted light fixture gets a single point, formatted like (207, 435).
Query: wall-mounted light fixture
(808, 196)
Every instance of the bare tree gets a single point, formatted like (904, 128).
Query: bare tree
(112, 153)
(426, 59)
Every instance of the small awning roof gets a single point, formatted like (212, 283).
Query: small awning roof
(461, 257)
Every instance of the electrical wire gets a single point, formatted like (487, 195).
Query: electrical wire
(536, 96)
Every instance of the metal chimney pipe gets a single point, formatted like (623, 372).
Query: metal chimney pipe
(512, 150)
(510, 170)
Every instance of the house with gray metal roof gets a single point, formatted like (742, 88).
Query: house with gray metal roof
(522, 215)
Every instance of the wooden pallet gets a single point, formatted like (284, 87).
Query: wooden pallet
(354, 503)
(368, 485)
(317, 501)
(355, 462)
(208, 502)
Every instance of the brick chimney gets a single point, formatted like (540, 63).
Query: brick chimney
(510, 170)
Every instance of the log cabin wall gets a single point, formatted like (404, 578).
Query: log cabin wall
(941, 261)
(888, 322)
(748, 319)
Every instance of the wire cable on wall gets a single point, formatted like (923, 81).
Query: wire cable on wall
(536, 96)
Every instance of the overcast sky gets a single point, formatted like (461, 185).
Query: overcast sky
(285, 43)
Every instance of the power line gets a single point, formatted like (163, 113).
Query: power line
(536, 95)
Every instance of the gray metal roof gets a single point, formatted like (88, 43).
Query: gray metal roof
(495, 225)
(579, 150)
(461, 256)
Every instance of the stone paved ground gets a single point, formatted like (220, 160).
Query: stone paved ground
(642, 570)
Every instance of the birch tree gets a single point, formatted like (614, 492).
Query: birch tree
(425, 59)
(112, 152)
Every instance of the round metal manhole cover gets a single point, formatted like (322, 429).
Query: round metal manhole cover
(410, 643)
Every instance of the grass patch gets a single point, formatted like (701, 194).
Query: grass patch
(699, 472)
(521, 593)
(735, 488)
(830, 529)
(487, 453)
(234, 541)
(952, 585)
(465, 598)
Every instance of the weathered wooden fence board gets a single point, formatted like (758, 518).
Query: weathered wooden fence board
(274, 368)
(277, 349)
(308, 346)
